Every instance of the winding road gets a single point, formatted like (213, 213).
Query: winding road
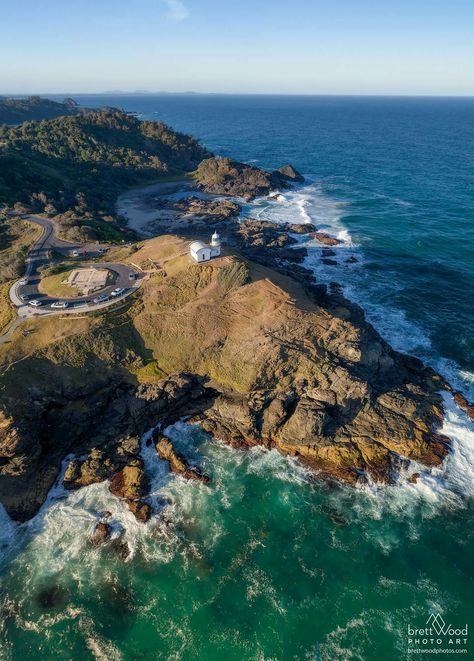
(27, 288)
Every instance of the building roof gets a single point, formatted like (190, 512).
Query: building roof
(197, 245)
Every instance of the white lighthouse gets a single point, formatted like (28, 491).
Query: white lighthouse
(201, 252)
(215, 245)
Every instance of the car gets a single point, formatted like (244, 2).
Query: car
(24, 297)
(101, 298)
(75, 253)
(101, 250)
(117, 291)
(59, 305)
(23, 281)
(35, 303)
(131, 276)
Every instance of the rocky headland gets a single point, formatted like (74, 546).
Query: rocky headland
(249, 345)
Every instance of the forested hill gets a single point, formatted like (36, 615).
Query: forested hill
(76, 166)
(16, 111)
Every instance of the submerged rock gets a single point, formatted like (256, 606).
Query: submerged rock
(140, 509)
(325, 238)
(101, 534)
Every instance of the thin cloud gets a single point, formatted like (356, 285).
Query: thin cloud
(176, 10)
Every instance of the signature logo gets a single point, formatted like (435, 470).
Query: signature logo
(437, 636)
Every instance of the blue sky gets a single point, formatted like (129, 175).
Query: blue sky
(259, 46)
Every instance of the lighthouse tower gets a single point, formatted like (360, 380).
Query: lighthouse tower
(215, 245)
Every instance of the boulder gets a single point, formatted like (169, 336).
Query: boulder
(131, 483)
(101, 533)
(288, 173)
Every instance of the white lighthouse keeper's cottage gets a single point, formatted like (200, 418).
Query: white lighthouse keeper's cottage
(199, 251)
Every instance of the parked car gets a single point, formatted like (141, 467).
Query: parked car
(24, 281)
(117, 291)
(75, 253)
(101, 298)
(24, 297)
(131, 276)
(35, 303)
(59, 305)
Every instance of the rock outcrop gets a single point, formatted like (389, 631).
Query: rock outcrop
(131, 484)
(177, 463)
(462, 402)
(223, 176)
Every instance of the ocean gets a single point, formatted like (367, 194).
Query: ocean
(268, 563)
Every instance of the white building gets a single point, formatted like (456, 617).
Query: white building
(200, 252)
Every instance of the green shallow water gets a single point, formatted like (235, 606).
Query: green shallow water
(265, 563)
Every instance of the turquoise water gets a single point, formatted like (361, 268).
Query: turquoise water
(268, 563)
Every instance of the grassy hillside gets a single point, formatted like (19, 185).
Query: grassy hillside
(216, 310)
(74, 167)
(16, 111)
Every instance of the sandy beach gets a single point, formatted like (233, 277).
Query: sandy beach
(140, 209)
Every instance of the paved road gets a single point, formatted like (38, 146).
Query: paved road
(126, 277)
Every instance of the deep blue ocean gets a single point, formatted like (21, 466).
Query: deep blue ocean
(267, 564)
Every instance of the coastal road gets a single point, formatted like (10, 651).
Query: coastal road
(27, 288)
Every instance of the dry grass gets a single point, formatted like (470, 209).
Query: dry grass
(7, 312)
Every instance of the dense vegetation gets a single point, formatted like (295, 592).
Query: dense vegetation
(74, 167)
(16, 111)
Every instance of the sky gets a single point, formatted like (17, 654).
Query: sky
(414, 47)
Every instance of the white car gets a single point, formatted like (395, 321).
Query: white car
(59, 305)
(131, 276)
(35, 303)
(101, 298)
(117, 291)
(75, 253)
(24, 281)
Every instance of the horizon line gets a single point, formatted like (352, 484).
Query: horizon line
(193, 93)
